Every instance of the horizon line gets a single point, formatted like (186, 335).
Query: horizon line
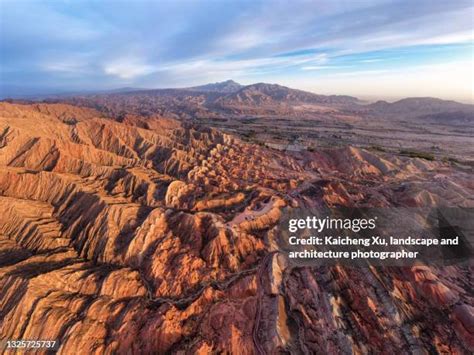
(38, 94)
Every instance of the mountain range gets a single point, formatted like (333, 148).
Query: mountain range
(228, 86)
(230, 98)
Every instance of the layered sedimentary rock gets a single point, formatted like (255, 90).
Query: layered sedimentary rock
(149, 235)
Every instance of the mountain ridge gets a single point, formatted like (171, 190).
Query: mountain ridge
(421, 106)
(229, 98)
(232, 89)
(227, 86)
(260, 92)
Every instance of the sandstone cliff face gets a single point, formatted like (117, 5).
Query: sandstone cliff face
(155, 236)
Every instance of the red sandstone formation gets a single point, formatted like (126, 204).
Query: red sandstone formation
(154, 236)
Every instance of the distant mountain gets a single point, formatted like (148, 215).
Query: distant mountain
(231, 98)
(225, 87)
(38, 94)
(121, 90)
(273, 94)
(451, 117)
(417, 106)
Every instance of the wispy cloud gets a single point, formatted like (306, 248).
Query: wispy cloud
(127, 68)
(326, 67)
(361, 73)
(371, 60)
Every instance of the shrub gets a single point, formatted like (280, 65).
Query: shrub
(377, 148)
(417, 154)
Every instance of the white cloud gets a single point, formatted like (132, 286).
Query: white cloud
(316, 67)
(321, 67)
(371, 60)
(450, 38)
(128, 68)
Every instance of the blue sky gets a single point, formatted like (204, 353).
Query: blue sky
(362, 48)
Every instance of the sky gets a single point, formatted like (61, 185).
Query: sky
(368, 49)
